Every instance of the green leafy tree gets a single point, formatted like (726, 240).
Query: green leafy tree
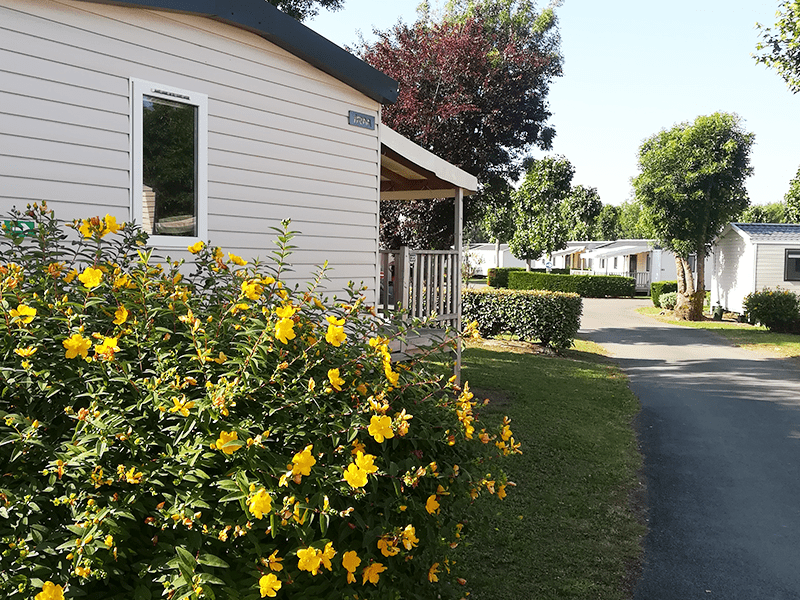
(580, 209)
(634, 221)
(692, 182)
(303, 9)
(764, 213)
(606, 225)
(792, 199)
(540, 228)
(780, 47)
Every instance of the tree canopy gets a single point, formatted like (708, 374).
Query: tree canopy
(774, 212)
(473, 85)
(692, 182)
(538, 215)
(580, 209)
(780, 47)
(303, 9)
(792, 199)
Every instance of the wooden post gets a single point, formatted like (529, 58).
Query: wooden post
(459, 241)
(403, 268)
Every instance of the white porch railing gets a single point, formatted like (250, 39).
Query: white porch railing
(642, 278)
(423, 282)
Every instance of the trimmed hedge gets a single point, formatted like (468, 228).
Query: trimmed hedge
(586, 286)
(668, 300)
(497, 277)
(553, 318)
(661, 287)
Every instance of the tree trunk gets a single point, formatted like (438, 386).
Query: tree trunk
(699, 297)
(686, 290)
(497, 252)
(527, 264)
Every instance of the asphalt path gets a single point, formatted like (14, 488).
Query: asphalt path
(719, 429)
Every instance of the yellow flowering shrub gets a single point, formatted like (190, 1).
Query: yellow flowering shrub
(206, 431)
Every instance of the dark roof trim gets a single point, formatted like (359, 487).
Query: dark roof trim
(263, 19)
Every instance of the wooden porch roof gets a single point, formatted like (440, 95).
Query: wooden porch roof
(409, 172)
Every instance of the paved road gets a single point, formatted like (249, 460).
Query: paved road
(720, 434)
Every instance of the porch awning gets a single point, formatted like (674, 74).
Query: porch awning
(625, 250)
(409, 172)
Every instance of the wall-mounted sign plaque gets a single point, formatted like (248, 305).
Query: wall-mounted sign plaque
(361, 120)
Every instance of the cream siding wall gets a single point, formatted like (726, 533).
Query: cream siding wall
(279, 142)
(770, 259)
(733, 271)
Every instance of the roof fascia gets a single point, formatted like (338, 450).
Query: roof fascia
(263, 19)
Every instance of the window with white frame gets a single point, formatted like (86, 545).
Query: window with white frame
(791, 271)
(169, 153)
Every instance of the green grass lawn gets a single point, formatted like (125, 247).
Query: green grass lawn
(569, 528)
(753, 337)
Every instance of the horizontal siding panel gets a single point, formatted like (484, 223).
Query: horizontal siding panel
(291, 169)
(51, 151)
(54, 68)
(322, 246)
(65, 93)
(277, 182)
(274, 148)
(170, 54)
(62, 172)
(65, 133)
(318, 229)
(275, 209)
(14, 104)
(27, 190)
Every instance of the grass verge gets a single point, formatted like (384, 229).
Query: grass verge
(751, 337)
(570, 528)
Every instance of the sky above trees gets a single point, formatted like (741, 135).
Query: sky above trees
(632, 68)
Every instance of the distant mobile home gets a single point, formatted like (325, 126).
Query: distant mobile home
(749, 257)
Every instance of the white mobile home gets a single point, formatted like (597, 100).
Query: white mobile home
(270, 120)
(749, 257)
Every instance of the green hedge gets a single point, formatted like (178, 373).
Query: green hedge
(550, 317)
(586, 286)
(778, 310)
(498, 277)
(661, 287)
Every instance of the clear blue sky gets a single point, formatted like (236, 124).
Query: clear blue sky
(633, 67)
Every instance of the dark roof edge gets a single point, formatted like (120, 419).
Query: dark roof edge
(262, 18)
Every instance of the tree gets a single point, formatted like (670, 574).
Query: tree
(538, 217)
(780, 49)
(473, 87)
(580, 209)
(606, 225)
(792, 199)
(634, 221)
(303, 9)
(691, 182)
(764, 213)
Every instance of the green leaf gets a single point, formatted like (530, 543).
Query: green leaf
(212, 561)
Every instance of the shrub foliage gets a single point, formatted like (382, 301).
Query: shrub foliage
(778, 310)
(661, 287)
(550, 317)
(215, 434)
(498, 277)
(586, 286)
(668, 300)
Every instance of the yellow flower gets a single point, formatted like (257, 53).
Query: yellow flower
(350, 562)
(181, 407)
(286, 311)
(70, 276)
(409, 536)
(107, 348)
(77, 344)
(356, 477)
(309, 559)
(85, 229)
(275, 562)
(501, 491)
(133, 476)
(25, 352)
(260, 503)
(387, 547)
(23, 313)
(252, 290)
(372, 573)
(110, 225)
(284, 330)
(335, 334)
(336, 381)
(223, 443)
(402, 422)
(365, 462)
(327, 555)
(380, 428)
(196, 247)
(91, 277)
(432, 506)
(50, 591)
(237, 260)
(357, 447)
(109, 541)
(268, 585)
(391, 375)
(83, 571)
(303, 461)
(121, 315)
(432, 573)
